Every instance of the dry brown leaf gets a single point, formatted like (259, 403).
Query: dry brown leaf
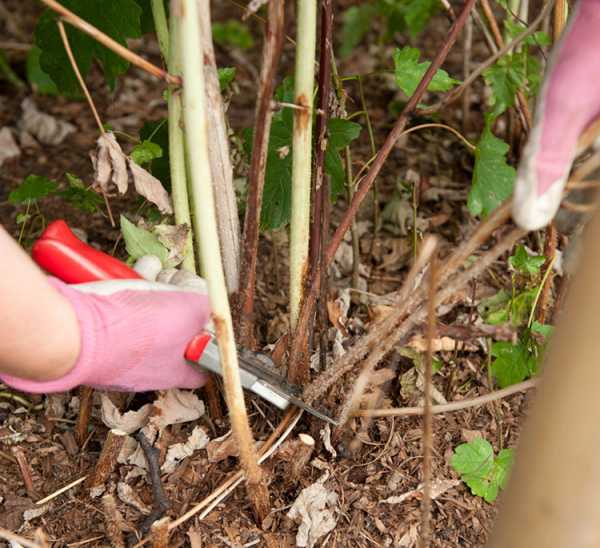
(438, 487)
(179, 451)
(110, 164)
(176, 406)
(174, 238)
(111, 167)
(8, 146)
(132, 453)
(325, 434)
(45, 128)
(129, 496)
(127, 422)
(221, 448)
(315, 508)
(150, 188)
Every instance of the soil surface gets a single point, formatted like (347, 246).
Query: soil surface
(370, 461)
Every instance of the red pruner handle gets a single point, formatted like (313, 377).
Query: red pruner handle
(62, 254)
(197, 346)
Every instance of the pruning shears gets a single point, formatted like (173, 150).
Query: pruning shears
(61, 253)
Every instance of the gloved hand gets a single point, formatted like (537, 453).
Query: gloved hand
(133, 332)
(568, 103)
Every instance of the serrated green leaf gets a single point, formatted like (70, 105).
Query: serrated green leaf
(493, 178)
(525, 263)
(494, 310)
(534, 75)
(79, 196)
(276, 206)
(145, 152)
(521, 307)
(514, 28)
(505, 78)
(38, 79)
(226, 76)
(513, 363)
(409, 72)
(502, 467)
(32, 188)
(120, 19)
(158, 133)
(232, 33)
(140, 242)
(147, 18)
(357, 21)
(484, 474)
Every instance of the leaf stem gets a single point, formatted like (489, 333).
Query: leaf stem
(65, 40)
(263, 118)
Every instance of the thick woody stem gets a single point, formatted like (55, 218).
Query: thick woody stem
(107, 459)
(298, 370)
(228, 224)
(264, 115)
(302, 153)
(207, 238)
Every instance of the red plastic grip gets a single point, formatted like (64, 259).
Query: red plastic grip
(197, 346)
(62, 254)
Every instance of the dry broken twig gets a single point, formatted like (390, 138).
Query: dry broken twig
(452, 406)
(160, 503)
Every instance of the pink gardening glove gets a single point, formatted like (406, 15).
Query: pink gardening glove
(133, 335)
(569, 101)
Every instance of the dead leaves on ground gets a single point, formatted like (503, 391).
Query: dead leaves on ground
(171, 407)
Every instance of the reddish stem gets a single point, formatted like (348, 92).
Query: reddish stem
(367, 181)
(264, 114)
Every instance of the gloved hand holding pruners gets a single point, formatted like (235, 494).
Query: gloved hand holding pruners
(127, 335)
